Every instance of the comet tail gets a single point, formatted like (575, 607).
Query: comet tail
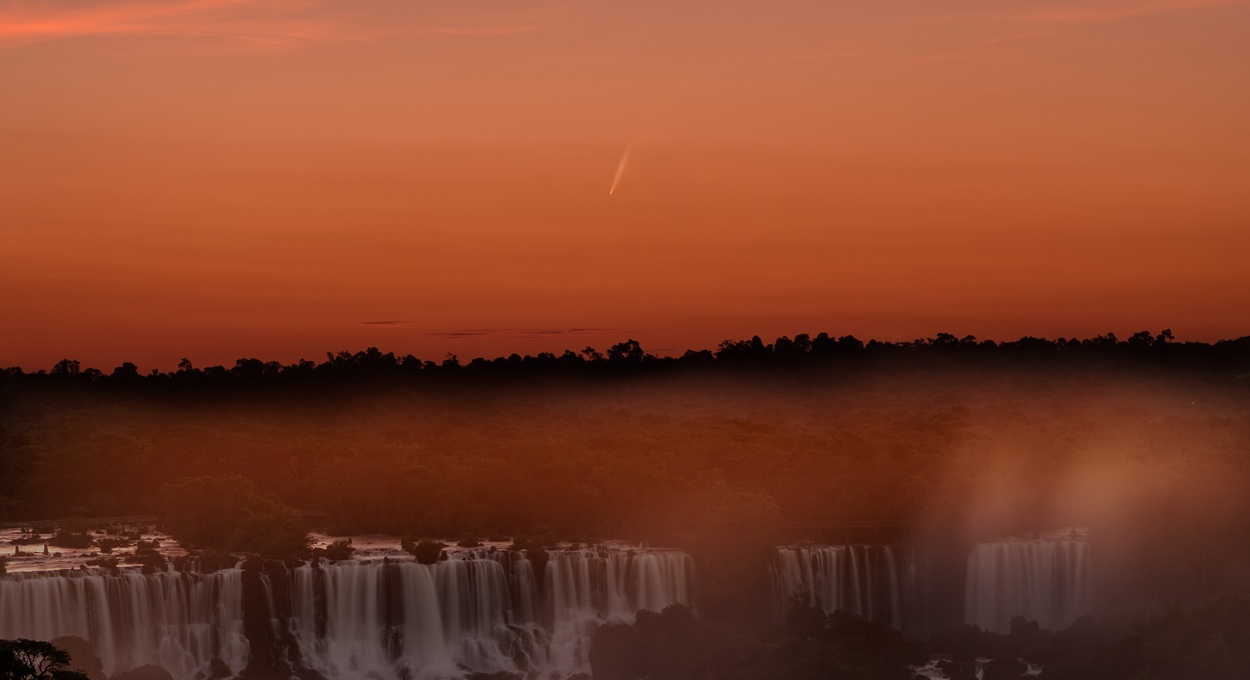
(620, 170)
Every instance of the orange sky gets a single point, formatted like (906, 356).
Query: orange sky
(226, 178)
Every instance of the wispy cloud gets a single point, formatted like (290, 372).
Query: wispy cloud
(467, 333)
(525, 332)
(485, 30)
(1011, 26)
(960, 51)
(270, 25)
(541, 332)
(1098, 12)
(795, 57)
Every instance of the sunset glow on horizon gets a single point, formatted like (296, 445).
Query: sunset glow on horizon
(215, 179)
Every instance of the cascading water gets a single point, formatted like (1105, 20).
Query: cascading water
(865, 580)
(474, 611)
(176, 620)
(1047, 579)
(584, 590)
(480, 610)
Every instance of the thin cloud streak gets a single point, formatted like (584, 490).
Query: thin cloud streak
(1076, 15)
(485, 30)
(964, 50)
(1070, 17)
(806, 57)
(259, 25)
(1086, 14)
(271, 25)
(523, 332)
(532, 332)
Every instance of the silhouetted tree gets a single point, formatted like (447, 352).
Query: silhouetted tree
(35, 660)
(127, 372)
(66, 367)
(629, 351)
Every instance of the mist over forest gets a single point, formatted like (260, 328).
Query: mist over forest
(962, 441)
(939, 445)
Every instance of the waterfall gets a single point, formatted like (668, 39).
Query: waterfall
(180, 621)
(864, 580)
(481, 610)
(585, 589)
(1047, 579)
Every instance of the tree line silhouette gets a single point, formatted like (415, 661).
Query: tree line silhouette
(1140, 350)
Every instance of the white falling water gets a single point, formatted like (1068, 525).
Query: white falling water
(585, 589)
(175, 620)
(1047, 580)
(478, 610)
(864, 580)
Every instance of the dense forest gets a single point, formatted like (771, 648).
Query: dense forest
(938, 443)
(947, 440)
(803, 352)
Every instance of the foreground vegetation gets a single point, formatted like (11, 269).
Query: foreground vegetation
(35, 660)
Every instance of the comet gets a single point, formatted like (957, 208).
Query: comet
(620, 170)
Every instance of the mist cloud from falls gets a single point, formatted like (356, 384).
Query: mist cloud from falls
(1154, 467)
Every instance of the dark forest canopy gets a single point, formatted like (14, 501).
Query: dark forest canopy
(949, 439)
(1142, 349)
